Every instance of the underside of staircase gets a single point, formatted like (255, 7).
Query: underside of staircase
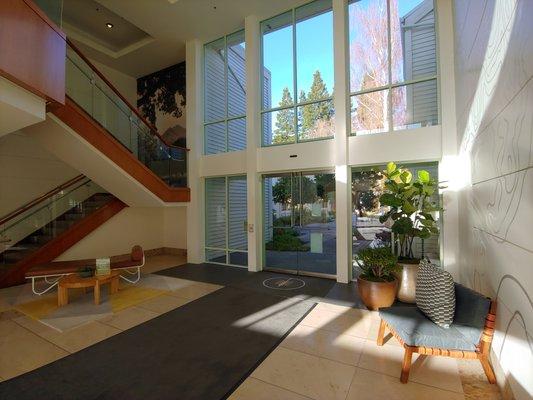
(57, 236)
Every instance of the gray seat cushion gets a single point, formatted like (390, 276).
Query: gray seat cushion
(415, 329)
(471, 309)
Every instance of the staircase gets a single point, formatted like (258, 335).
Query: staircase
(47, 226)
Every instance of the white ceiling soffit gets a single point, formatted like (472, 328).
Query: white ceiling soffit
(86, 21)
(169, 23)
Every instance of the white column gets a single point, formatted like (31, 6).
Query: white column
(253, 129)
(448, 167)
(194, 115)
(342, 171)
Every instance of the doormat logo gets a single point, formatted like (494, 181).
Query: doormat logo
(283, 283)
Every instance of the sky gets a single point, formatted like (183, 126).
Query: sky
(314, 47)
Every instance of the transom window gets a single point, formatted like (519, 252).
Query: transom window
(393, 67)
(225, 94)
(297, 75)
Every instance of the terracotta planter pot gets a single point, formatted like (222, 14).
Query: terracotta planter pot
(376, 294)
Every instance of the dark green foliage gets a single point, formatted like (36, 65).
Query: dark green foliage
(286, 240)
(377, 264)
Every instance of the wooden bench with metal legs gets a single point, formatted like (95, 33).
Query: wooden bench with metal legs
(481, 353)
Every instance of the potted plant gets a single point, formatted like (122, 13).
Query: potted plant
(376, 283)
(411, 216)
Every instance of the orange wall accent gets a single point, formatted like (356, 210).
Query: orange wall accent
(32, 50)
(58, 245)
(79, 121)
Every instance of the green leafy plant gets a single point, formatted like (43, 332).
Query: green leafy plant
(377, 264)
(286, 240)
(411, 208)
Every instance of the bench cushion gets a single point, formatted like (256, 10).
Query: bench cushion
(415, 329)
(134, 259)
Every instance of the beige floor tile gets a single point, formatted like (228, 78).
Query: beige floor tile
(37, 327)
(305, 374)
(162, 261)
(195, 291)
(337, 347)
(336, 308)
(83, 336)
(254, 389)
(163, 304)
(22, 351)
(373, 334)
(129, 317)
(434, 371)
(353, 322)
(368, 385)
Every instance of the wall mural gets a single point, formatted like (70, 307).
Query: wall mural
(161, 99)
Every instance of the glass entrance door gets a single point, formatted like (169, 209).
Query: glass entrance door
(299, 220)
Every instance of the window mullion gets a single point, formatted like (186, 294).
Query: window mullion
(389, 45)
(295, 75)
(226, 88)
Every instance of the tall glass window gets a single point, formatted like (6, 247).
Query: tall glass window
(393, 67)
(226, 233)
(225, 94)
(297, 87)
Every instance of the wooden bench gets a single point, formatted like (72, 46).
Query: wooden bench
(129, 266)
(469, 336)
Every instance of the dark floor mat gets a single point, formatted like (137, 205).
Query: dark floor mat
(209, 273)
(202, 350)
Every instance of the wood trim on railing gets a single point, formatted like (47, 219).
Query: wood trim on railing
(32, 50)
(57, 246)
(41, 198)
(152, 128)
(90, 130)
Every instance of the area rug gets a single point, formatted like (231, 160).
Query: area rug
(202, 350)
(81, 308)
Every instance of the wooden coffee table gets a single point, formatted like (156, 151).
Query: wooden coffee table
(74, 281)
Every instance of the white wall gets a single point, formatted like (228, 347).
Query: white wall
(125, 84)
(27, 170)
(494, 67)
(18, 107)
(151, 228)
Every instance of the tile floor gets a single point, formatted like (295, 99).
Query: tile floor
(330, 354)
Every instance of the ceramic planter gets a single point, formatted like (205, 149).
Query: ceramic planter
(376, 294)
(407, 282)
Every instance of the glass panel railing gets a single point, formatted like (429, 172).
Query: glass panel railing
(96, 97)
(53, 9)
(39, 223)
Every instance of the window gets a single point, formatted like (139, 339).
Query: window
(225, 94)
(297, 87)
(393, 68)
(226, 233)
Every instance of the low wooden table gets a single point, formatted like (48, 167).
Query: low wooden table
(74, 281)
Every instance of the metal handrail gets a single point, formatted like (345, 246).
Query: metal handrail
(40, 199)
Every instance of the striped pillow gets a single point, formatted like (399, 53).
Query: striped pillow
(435, 293)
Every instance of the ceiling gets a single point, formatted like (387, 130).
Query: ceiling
(149, 35)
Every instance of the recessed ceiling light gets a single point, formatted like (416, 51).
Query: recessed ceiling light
(109, 25)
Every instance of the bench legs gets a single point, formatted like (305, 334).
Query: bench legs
(485, 363)
(406, 365)
(381, 333)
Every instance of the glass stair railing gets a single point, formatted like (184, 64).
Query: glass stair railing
(33, 225)
(91, 91)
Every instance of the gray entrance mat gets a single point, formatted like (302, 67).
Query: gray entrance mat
(202, 350)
